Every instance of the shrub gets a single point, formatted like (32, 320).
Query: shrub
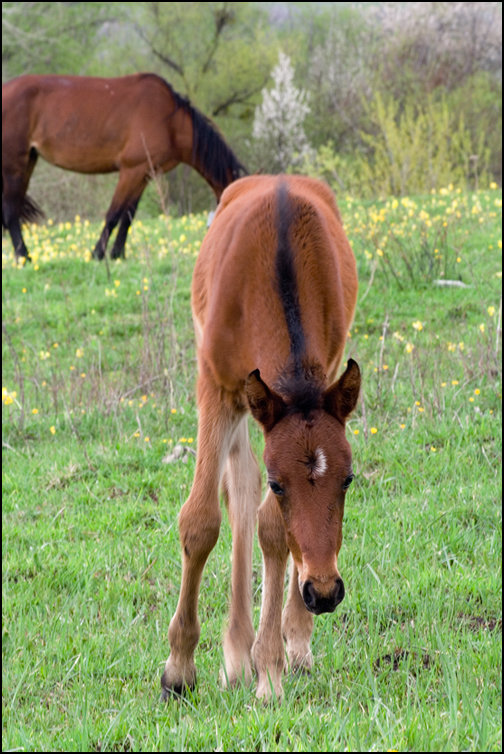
(408, 150)
(278, 123)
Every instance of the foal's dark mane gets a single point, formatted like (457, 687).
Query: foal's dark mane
(209, 148)
(302, 383)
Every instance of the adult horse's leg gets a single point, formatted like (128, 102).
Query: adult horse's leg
(10, 219)
(242, 486)
(111, 220)
(124, 226)
(268, 649)
(15, 204)
(297, 626)
(199, 523)
(127, 193)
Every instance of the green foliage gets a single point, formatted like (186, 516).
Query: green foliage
(53, 37)
(478, 101)
(412, 147)
(417, 147)
(341, 171)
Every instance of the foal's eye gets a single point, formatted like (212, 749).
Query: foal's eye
(348, 481)
(276, 488)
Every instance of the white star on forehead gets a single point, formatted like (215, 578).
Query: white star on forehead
(318, 465)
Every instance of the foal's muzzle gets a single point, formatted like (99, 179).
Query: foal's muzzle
(317, 603)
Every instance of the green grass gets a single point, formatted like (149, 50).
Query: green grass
(98, 385)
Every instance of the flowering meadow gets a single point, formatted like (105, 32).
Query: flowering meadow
(98, 388)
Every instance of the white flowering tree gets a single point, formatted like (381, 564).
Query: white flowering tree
(278, 131)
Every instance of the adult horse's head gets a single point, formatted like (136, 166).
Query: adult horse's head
(309, 465)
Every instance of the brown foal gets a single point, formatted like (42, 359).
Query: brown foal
(273, 297)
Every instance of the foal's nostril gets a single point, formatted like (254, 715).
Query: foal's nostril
(339, 592)
(316, 603)
(309, 596)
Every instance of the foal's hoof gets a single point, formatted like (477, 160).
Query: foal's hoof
(269, 691)
(300, 661)
(175, 684)
(174, 692)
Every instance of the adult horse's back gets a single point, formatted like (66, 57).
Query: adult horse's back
(137, 125)
(273, 296)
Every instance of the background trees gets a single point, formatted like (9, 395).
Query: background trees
(402, 96)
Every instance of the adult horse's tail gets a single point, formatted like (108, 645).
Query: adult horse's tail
(28, 212)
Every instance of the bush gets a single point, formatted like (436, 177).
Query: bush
(403, 93)
(406, 150)
(420, 148)
(278, 124)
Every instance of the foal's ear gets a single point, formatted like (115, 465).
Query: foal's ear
(265, 405)
(341, 398)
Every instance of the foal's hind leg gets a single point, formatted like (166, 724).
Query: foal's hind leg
(297, 626)
(199, 523)
(242, 487)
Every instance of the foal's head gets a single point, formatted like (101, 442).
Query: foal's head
(309, 464)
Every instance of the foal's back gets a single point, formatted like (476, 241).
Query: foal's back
(238, 312)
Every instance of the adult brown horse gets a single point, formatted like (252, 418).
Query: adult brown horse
(137, 125)
(273, 296)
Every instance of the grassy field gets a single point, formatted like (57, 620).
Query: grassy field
(98, 388)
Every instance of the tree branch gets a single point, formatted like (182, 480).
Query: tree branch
(222, 18)
(164, 58)
(238, 98)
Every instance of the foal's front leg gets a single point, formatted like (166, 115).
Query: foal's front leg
(297, 626)
(199, 523)
(268, 650)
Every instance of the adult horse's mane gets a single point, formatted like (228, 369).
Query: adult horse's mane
(209, 148)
